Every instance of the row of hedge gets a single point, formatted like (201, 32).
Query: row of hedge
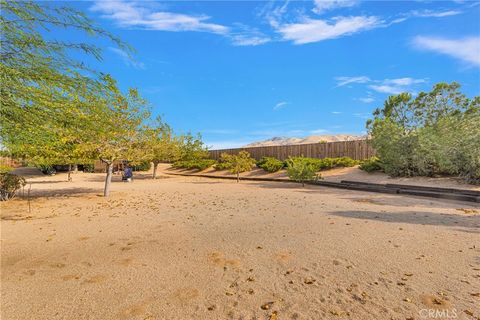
(270, 164)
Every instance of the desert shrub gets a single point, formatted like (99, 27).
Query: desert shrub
(344, 162)
(326, 163)
(316, 164)
(435, 133)
(199, 164)
(5, 168)
(302, 169)
(270, 164)
(370, 165)
(224, 162)
(237, 163)
(142, 166)
(9, 185)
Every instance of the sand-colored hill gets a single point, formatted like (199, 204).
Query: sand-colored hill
(283, 141)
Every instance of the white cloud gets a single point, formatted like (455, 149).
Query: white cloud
(366, 100)
(435, 14)
(342, 81)
(248, 36)
(243, 40)
(387, 89)
(280, 105)
(127, 59)
(325, 5)
(133, 15)
(466, 49)
(390, 86)
(314, 30)
(336, 112)
(403, 81)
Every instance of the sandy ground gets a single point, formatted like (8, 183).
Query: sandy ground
(197, 248)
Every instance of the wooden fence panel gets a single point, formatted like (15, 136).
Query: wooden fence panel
(357, 149)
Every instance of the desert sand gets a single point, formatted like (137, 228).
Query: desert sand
(198, 248)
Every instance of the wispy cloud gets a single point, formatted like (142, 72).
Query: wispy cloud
(336, 112)
(314, 30)
(343, 81)
(367, 99)
(464, 49)
(143, 15)
(435, 14)
(135, 15)
(390, 86)
(280, 105)
(325, 5)
(404, 81)
(247, 36)
(386, 89)
(396, 86)
(127, 59)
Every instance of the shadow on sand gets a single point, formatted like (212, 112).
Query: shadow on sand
(410, 217)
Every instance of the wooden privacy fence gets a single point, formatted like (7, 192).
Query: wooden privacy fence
(357, 149)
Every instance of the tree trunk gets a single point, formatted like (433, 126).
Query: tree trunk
(69, 177)
(108, 179)
(75, 168)
(155, 166)
(238, 177)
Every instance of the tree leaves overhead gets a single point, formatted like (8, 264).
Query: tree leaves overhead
(43, 87)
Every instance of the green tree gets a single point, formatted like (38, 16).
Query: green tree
(192, 148)
(301, 170)
(436, 132)
(41, 105)
(160, 144)
(113, 128)
(238, 163)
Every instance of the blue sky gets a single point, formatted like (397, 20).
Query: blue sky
(241, 71)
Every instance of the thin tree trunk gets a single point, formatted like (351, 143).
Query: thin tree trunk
(108, 179)
(69, 177)
(75, 168)
(155, 166)
(238, 177)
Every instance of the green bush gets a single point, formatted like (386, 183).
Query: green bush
(370, 165)
(344, 162)
(237, 163)
(143, 166)
(302, 169)
(9, 185)
(5, 168)
(224, 162)
(270, 164)
(326, 163)
(199, 164)
(435, 133)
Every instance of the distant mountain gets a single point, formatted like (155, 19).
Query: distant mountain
(283, 141)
